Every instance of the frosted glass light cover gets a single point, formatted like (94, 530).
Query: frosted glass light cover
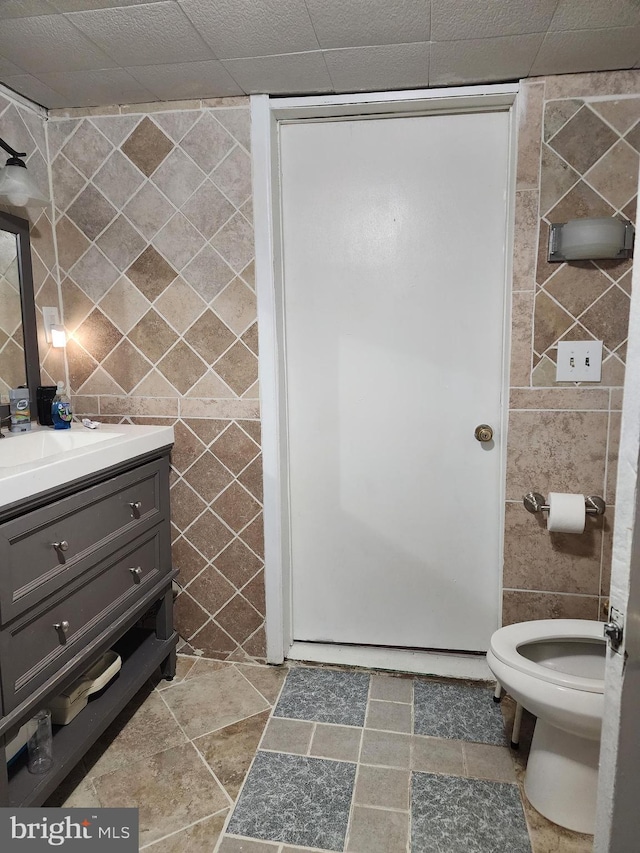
(583, 239)
(18, 188)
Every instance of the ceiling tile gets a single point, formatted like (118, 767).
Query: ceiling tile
(82, 5)
(390, 66)
(340, 24)
(587, 50)
(143, 35)
(595, 14)
(467, 19)
(8, 69)
(26, 8)
(49, 43)
(482, 60)
(182, 80)
(92, 88)
(282, 75)
(252, 27)
(34, 89)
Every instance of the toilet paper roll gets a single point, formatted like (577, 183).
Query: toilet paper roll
(567, 513)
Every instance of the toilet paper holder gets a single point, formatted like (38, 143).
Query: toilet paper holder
(534, 502)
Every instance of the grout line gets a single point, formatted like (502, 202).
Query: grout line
(182, 828)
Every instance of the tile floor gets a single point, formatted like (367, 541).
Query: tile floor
(225, 759)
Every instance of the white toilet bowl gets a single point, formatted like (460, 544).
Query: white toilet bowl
(555, 669)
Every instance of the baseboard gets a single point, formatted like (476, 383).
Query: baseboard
(445, 664)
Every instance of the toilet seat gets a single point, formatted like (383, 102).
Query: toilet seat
(506, 642)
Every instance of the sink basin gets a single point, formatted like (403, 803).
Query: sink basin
(38, 444)
(44, 459)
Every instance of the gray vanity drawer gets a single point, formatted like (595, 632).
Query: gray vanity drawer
(33, 648)
(92, 522)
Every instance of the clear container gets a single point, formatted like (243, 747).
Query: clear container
(40, 744)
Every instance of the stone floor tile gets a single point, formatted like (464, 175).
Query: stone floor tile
(457, 815)
(378, 831)
(339, 742)
(485, 761)
(244, 845)
(382, 786)
(205, 666)
(184, 665)
(390, 716)
(288, 736)
(385, 748)
(459, 711)
(267, 680)
(127, 738)
(437, 755)
(229, 751)
(76, 791)
(325, 696)
(199, 838)
(296, 800)
(392, 689)
(177, 778)
(203, 704)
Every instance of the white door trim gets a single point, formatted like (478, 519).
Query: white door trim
(266, 116)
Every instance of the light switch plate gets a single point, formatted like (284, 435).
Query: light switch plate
(579, 361)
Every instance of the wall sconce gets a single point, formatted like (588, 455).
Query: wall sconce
(590, 239)
(17, 187)
(53, 330)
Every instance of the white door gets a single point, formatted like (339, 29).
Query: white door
(617, 817)
(394, 235)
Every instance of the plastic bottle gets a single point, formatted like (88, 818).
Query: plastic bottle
(61, 409)
(19, 405)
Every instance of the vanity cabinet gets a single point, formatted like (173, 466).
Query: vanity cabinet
(80, 566)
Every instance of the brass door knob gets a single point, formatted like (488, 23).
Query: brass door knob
(483, 433)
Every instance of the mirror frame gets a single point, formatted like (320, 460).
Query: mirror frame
(20, 227)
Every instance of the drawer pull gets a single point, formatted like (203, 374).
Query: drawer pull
(136, 573)
(60, 548)
(62, 629)
(136, 506)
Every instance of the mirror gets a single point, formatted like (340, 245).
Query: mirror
(19, 359)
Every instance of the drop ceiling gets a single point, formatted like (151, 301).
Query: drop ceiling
(74, 53)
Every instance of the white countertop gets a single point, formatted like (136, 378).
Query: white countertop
(109, 445)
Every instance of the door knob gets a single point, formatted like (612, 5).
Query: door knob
(483, 433)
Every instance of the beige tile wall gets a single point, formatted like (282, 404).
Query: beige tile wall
(579, 144)
(24, 129)
(153, 212)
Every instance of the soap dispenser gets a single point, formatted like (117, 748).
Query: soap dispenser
(61, 409)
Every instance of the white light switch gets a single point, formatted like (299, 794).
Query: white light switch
(579, 361)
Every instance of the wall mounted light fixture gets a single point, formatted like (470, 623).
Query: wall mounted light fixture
(590, 239)
(54, 332)
(17, 187)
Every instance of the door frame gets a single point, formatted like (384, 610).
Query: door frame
(267, 114)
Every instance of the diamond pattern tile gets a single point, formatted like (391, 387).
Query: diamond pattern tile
(178, 176)
(180, 304)
(208, 476)
(118, 179)
(149, 210)
(236, 306)
(580, 202)
(239, 618)
(208, 273)
(551, 321)
(208, 209)
(87, 149)
(235, 449)
(577, 285)
(209, 337)
(178, 241)
(621, 114)
(207, 142)
(633, 137)
(233, 176)
(124, 305)
(91, 212)
(94, 273)
(238, 367)
(182, 367)
(121, 243)
(152, 336)
(236, 507)
(615, 175)
(209, 535)
(583, 140)
(97, 335)
(608, 318)
(126, 365)
(151, 274)
(147, 146)
(234, 241)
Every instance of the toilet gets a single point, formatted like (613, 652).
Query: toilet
(555, 669)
